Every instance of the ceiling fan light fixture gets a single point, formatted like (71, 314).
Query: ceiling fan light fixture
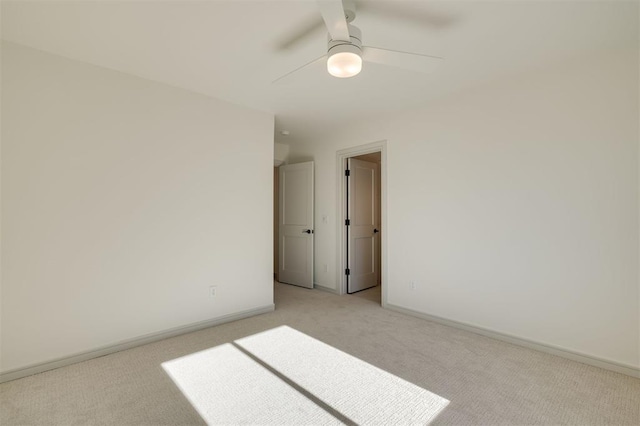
(344, 61)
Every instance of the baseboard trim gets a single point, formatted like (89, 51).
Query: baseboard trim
(130, 343)
(629, 370)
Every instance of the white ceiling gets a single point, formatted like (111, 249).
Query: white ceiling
(233, 50)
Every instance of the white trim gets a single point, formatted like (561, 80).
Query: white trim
(129, 343)
(627, 369)
(341, 157)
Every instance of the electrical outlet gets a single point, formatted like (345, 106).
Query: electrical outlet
(412, 284)
(212, 291)
(324, 267)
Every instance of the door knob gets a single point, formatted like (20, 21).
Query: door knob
(375, 231)
(308, 231)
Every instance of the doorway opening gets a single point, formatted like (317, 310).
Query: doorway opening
(362, 209)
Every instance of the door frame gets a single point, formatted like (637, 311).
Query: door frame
(341, 209)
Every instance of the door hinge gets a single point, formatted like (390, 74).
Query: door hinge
(347, 271)
(347, 172)
(347, 222)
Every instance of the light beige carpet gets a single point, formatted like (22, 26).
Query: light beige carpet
(283, 376)
(485, 381)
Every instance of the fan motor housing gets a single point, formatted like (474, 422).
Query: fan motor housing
(353, 45)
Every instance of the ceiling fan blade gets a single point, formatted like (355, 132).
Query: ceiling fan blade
(405, 60)
(334, 18)
(312, 62)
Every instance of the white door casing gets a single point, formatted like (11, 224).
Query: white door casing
(296, 224)
(363, 229)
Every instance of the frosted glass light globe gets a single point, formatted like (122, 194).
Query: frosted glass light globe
(344, 64)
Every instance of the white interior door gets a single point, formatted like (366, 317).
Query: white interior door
(362, 230)
(296, 224)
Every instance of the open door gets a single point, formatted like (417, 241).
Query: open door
(296, 224)
(362, 225)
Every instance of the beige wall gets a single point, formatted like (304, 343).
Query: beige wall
(123, 200)
(280, 152)
(514, 207)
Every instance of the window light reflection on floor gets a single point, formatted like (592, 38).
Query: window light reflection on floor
(282, 376)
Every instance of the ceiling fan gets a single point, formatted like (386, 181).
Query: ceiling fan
(345, 51)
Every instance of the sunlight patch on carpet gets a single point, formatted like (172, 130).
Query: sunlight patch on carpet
(283, 376)
(225, 386)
